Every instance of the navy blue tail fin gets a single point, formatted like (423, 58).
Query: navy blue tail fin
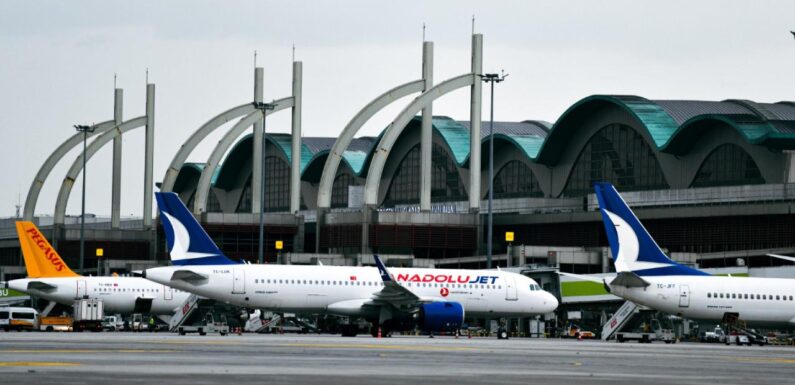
(188, 243)
(633, 248)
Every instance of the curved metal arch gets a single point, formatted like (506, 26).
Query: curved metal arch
(52, 160)
(344, 140)
(754, 132)
(501, 141)
(196, 138)
(394, 129)
(203, 188)
(658, 124)
(77, 165)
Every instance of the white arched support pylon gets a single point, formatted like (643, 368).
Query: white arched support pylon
(196, 138)
(345, 138)
(395, 128)
(205, 180)
(77, 165)
(52, 160)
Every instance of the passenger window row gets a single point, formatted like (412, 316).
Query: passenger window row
(317, 282)
(763, 297)
(369, 283)
(122, 289)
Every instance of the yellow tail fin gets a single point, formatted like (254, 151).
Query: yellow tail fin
(41, 260)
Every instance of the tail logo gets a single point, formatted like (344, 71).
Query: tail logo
(181, 241)
(49, 253)
(628, 247)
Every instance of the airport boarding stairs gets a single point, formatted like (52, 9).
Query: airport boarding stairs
(262, 322)
(619, 319)
(194, 309)
(270, 322)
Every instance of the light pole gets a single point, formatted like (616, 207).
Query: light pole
(85, 130)
(264, 107)
(491, 78)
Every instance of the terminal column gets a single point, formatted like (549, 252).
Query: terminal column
(115, 205)
(256, 166)
(426, 138)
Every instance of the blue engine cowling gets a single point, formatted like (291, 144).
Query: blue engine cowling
(441, 316)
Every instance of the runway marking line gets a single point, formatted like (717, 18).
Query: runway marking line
(23, 351)
(33, 363)
(377, 346)
(772, 360)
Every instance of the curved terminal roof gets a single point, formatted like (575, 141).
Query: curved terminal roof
(671, 125)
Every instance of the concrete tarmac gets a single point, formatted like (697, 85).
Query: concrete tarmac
(129, 358)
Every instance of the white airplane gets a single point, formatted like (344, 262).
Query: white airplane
(50, 278)
(393, 299)
(648, 277)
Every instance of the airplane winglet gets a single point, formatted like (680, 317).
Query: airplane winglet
(382, 269)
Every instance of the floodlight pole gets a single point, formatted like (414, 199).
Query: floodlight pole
(491, 78)
(264, 107)
(85, 130)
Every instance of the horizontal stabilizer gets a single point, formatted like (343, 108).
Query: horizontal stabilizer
(189, 276)
(629, 279)
(40, 286)
(584, 277)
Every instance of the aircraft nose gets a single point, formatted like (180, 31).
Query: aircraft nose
(550, 303)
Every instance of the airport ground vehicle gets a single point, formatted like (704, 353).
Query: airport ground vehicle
(112, 323)
(88, 315)
(19, 318)
(650, 331)
(575, 331)
(55, 323)
(716, 335)
(208, 326)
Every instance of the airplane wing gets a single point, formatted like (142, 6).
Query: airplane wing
(189, 276)
(784, 257)
(40, 286)
(394, 293)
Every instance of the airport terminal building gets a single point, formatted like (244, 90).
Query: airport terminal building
(713, 182)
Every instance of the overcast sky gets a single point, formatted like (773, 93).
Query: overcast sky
(59, 58)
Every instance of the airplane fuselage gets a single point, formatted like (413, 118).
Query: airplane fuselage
(763, 302)
(349, 290)
(118, 294)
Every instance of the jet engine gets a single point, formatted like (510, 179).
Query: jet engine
(439, 316)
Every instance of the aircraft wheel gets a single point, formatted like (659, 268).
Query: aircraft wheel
(502, 334)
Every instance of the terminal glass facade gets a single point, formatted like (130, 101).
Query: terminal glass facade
(728, 165)
(339, 193)
(277, 187)
(516, 180)
(619, 155)
(446, 184)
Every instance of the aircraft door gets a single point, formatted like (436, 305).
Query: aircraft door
(82, 289)
(238, 281)
(168, 293)
(684, 295)
(511, 294)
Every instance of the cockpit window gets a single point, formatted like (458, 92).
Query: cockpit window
(534, 287)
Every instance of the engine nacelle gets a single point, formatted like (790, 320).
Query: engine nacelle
(440, 316)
